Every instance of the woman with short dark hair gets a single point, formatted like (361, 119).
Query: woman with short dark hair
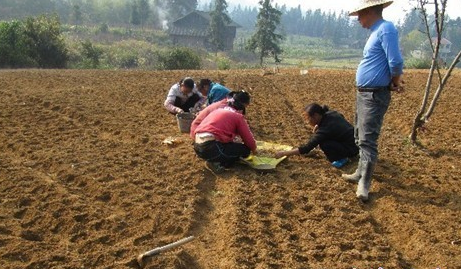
(332, 133)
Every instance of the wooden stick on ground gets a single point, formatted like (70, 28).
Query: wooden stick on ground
(142, 258)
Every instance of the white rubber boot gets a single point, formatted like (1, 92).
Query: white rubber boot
(365, 180)
(354, 177)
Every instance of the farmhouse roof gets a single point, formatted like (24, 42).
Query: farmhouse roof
(207, 16)
(189, 26)
(173, 30)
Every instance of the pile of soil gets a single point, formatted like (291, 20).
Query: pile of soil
(86, 182)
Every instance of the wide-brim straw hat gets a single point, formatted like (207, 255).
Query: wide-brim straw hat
(369, 3)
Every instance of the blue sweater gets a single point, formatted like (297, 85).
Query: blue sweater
(216, 93)
(381, 57)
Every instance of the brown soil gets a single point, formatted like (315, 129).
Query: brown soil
(85, 181)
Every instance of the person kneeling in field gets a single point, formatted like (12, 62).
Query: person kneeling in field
(205, 112)
(184, 96)
(214, 136)
(213, 91)
(332, 132)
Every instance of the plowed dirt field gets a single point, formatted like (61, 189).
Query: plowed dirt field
(85, 181)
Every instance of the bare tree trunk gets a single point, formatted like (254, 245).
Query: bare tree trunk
(422, 116)
(418, 122)
(431, 108)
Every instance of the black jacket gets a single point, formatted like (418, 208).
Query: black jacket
(333, 126)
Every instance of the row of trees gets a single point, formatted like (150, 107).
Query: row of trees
(336, 27)
(281, 21)
(313, 23)
(412, 31)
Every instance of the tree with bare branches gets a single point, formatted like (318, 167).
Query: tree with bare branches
(436, 74)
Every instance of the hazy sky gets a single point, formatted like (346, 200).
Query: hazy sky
(393, 13)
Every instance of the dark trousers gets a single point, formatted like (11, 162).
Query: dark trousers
(336, 151)
(224, 153)
(190, 102)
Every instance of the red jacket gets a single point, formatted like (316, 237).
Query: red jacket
(204, 113)
(226, 123)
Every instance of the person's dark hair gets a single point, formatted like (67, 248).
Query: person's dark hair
(313, 108)
(188, 82)
(239, 100)
(231, 94)
(204, 82)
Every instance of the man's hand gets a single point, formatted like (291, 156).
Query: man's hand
(397, 88)
(397, 85)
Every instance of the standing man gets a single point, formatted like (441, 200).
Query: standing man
(377, 75)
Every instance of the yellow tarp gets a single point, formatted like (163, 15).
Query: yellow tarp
(262, 162)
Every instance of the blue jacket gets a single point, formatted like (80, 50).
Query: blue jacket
(216, 93)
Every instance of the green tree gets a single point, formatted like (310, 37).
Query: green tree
(245, 17)
(266, 40)
(77, 17)
(412, 21)
(46, 44)
(135, 17)
(292, 19)
(413, 41)
(34, 42)
(454, 33)
(13, 48)
(91, 54)
(219, 20)
(144, 11)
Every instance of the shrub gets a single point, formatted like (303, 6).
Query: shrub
(223, 63)
(131, 54)
(45, 42)
(179, 58)
(418, 63)
(35, 42)
(91, 54)
(128, 59)
(103, 28)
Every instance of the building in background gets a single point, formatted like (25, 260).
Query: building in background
(192, 31)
